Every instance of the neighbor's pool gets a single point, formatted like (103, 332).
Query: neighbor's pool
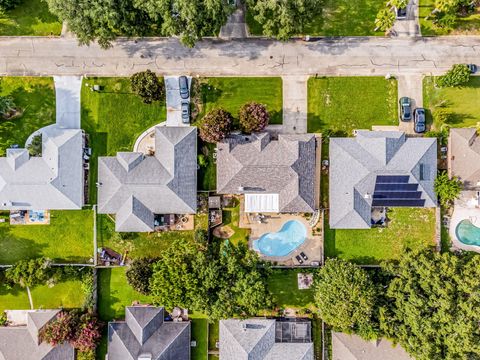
(467, 233)
(292, 234)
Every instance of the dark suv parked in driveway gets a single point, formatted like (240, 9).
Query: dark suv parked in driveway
(183, 86)
(419, 120)
(405, 109)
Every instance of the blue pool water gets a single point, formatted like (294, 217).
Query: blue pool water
(292, 234)
(467, 233)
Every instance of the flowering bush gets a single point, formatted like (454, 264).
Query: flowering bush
(253, 117)
(216, 125)
(59, 330)
(87, 334)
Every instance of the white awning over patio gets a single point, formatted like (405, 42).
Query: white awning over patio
(267, 203)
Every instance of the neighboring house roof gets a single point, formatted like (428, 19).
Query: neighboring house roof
(51, 181)
(353, 347)
(145, 335)
(262, 339)
(258, 164)
(22, 342)
(134, 186)
(362, 165)
(464, 156)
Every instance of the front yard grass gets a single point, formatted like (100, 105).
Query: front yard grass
(283, 284)
(30, 17)
(342, 104)
(337, 18)
(230, 93)
(469, 24)
(114, 117)
(412, 228)
(462, 102)
(36, 97)
(67, 239)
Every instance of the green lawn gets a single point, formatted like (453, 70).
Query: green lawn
(463, 102)
(36, 97)
(343, 104)
(31, 17)
(469, 24)
(408, 228)
(337, 18)
(114, 118)
(213, 335)
(231, 93)
(231, 218)
(200, 334)
(207, 175)
(68, 238)
(65, 294)
(283, 284)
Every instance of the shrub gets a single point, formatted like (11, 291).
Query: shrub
(29, 272)
(441, 116)
(447, 189)
(202, 160)
(35, 147)
(458, 75)
(9, 4)
(6, 104)
(216, 125)
(385, 20)
(87, 333)
(139, 274)
(148, 86)
(253, 117)
(60, 330)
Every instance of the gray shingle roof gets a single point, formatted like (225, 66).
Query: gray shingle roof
(356, 162)
(254, 339)
(21, 342)
(352, 347)
(134, 186)
(145, 333)
(464, 154)
(51, 181)
(259, 164)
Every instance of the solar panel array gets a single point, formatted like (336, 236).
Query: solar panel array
(395, 190)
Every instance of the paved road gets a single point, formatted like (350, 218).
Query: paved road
(342, 56)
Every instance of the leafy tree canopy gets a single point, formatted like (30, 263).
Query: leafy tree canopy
(433, 303)
(216, 125)
(385, 20)
(253, 117)
(447, 189)
(29, 273)
(346, 298)
(285, 18)
(458, 75)
(139, 274)
(148, 86)
(8, 4)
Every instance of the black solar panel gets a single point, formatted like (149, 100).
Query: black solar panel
(397, 195)
(396, 187)
(398, 202)
(388, 179)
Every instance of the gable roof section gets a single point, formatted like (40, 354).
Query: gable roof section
(356, 162)
(145, 333)
(133, 184)
(258, 164)
(51, 181)
(464, 156)
(352, 347)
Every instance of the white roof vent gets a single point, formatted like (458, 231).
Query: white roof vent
(145, 357)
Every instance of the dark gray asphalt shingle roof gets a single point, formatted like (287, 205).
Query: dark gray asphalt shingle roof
(259, 164)
(133, 185)
(356, 162)
(465, 156)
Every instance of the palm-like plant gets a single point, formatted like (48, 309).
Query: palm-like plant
(385, 20)
(6, 105)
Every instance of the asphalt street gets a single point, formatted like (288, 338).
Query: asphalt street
(248, 57)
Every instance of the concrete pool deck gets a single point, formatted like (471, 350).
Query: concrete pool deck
(466, 208)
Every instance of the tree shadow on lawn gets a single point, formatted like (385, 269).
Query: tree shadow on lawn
(23, 248)
(105, 298)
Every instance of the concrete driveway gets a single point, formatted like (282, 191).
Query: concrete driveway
(172, 91)
(67, 99)
(410, 86)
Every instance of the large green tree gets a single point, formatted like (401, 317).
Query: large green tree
(29, 273)
(346, 298)
(432, 305)
(221, 280)
(284, 18)
(447, 189)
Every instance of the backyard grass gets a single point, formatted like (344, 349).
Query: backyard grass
(213, 335)
(67, 239)
(65, 294)
(412, 228)
(462, 102)
(114, 117)
(342, 104)
(207, 174)
(337, 18)
(200, 335)
(36, 97)
(231, 216)
(469, 24)
(230, 93)
(283, 284)
(30, 17)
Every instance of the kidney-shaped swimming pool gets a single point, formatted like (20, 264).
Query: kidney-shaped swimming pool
(292, 234)
(467, 233)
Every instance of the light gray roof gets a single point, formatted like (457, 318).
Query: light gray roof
(51, 181)
(134, 186)
(21, 342)
(353, 347)
(144, 332)
(254, 339)
(356, 162)
(258, 164)
(464, 159)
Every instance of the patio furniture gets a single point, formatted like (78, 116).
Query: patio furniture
(304, 256)
(299, 259)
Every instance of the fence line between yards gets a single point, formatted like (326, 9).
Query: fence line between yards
(438, 229)
(95, 290)
(94, 235)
